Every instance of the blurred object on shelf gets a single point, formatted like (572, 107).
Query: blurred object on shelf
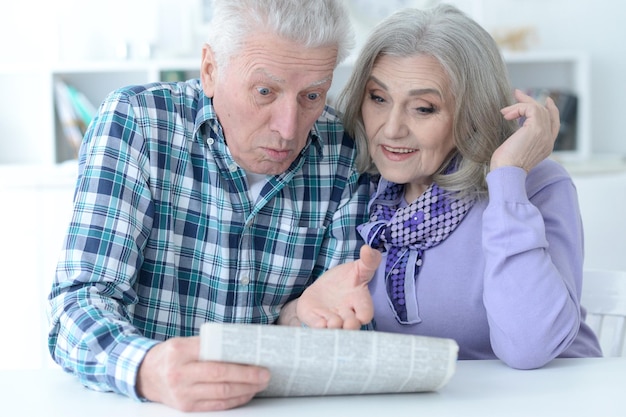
(74, 111)
(516, 39)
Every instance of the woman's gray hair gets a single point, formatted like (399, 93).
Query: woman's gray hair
(479, 86)
(312, 24)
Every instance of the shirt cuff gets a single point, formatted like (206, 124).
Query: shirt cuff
(124, 362)
(507, 184)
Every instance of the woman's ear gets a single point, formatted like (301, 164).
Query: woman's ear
(208, 71)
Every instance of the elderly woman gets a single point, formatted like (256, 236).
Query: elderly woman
(480, 234)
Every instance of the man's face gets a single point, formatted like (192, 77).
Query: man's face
(268, 99)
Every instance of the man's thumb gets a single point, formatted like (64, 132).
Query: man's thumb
(368, 263)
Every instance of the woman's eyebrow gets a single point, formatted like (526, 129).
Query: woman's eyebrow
(413, 92)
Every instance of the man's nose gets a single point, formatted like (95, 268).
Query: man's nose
(285, 119)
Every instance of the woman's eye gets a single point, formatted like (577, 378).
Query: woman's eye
(264, 91)
(376, 98)
(425, 110)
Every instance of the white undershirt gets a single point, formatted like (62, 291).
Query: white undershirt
(255, 184)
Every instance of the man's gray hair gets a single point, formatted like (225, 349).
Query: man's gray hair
(311, 23)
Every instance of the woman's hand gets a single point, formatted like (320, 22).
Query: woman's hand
(339, 298)
(534, 140)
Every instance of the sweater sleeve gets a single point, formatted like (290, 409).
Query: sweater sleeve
(533, 244)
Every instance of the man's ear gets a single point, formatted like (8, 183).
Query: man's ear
(208, 71)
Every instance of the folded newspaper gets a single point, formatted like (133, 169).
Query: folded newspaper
(314, 362)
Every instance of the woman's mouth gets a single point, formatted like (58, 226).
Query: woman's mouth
(398, 150)
(397, 154)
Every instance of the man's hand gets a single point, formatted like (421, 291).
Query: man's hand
(171, 373)
(340, 297)
(534, 140)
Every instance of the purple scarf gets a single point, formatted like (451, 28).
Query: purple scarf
(405, 232)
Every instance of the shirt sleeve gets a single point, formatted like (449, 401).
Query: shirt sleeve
(533, 244)
(91, 332)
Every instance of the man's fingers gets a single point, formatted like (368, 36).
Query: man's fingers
(364, 310)
(351, 323)
(345, 319)
(370, 257)
(217, 405)
(340, 297)
(208, 371)
(333, 320)
(315, 320)
(171, 373)
(224, 391)
(368, 263)
(213, 397)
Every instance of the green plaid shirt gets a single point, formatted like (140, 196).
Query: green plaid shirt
(165, 237)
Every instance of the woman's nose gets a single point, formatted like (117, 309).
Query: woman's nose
(395, 125)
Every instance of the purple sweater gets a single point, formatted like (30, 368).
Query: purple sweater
(507, 282)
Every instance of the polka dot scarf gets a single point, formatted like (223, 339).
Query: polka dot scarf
(405, 232)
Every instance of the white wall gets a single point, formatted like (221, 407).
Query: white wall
(602, 198)
(34, 215)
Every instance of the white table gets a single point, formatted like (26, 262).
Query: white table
(566, 387)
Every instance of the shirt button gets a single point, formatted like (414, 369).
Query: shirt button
(210, 141)
(244, 280)
(232, 167)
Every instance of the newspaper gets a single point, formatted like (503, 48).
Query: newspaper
(314, 362)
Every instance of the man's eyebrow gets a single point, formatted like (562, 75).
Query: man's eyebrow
(414, 92)
(272, 77)
(322, 81)
(282, 81)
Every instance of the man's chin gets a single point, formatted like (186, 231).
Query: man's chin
(269, 168)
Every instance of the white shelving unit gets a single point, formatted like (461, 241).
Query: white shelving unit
(31, 132)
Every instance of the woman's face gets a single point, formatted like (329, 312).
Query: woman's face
(407, 111)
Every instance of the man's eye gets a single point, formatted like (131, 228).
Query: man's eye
(313, 96)
(263, 91)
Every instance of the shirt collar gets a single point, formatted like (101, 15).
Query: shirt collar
(206, 115)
